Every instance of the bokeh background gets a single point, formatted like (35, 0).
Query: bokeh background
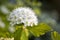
(48, 11)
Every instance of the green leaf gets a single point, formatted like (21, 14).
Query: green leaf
(41, 29)
(24, 35)
(55, 35)
(17, 34)
(21, 34)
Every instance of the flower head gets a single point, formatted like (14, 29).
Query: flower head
(23, 15)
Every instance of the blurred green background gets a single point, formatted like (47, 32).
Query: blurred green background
(47, 12)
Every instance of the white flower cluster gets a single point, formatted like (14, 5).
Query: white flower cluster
(23, 15)
(6, 38)
(2, 24)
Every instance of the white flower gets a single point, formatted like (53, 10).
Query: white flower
(12, 29)
(23, 15)
(2, 24)
(4, 9)
(2, 38)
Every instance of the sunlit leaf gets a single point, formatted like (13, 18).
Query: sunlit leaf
(24, 35)
(41, 29)
(17, 34)
(21, 34)
(55, 35)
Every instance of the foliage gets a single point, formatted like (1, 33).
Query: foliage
(23, 32)
(55, 35)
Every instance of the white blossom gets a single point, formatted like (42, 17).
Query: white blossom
(2, 38)
(2, 24)
(23, 15)
(4, 9)
(12, 29)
